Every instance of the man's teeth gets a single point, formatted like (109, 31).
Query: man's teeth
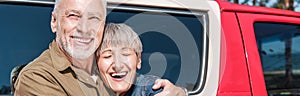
(82, 40)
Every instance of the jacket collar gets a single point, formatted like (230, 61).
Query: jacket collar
(59, 59)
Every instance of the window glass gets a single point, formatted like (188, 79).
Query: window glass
(172, 43)
(279, 52)
(25, 34)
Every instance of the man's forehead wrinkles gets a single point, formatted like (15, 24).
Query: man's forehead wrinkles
(94, 13)
(84, 11)
(73, 11)
(98, 14)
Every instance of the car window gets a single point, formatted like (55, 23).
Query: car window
(279, 45)
(172, 40)
(25, 33)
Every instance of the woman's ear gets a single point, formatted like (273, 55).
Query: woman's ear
(54, 22)
(139, 64)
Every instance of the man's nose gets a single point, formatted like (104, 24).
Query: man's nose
(82, 25)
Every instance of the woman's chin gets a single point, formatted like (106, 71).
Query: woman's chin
(120, 92)
(120, 88)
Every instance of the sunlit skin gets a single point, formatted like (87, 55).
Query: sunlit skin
(117, 66)
(79, 25)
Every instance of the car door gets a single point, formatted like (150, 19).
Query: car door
(271, 43)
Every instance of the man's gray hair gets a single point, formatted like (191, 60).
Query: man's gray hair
(56, 4)
(120, 35)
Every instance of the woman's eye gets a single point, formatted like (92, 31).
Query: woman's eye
(106, 56)
(126, 54)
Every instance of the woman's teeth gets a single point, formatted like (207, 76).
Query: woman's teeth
(118, 75)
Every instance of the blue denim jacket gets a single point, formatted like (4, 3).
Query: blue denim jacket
(143, 86)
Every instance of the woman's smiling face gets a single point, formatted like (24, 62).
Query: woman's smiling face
(117, 66)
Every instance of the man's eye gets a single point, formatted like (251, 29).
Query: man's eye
(94, 18)
(75, 16)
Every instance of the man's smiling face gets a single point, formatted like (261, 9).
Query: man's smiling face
(79, 26)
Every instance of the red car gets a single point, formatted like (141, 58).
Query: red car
(210, 47)
(260, 48)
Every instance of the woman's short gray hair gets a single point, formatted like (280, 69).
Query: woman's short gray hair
(117, 35)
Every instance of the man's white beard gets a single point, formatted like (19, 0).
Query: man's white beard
(80, 53)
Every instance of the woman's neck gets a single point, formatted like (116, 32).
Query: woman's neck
(121, 94)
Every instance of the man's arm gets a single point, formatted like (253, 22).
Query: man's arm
(36, 83)
(169, 89)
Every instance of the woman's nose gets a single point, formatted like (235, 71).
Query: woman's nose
(118, 63)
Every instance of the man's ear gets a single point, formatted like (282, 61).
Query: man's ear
(54, 22)
(139, 64)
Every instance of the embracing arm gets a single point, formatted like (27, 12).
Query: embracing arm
(169, 89)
